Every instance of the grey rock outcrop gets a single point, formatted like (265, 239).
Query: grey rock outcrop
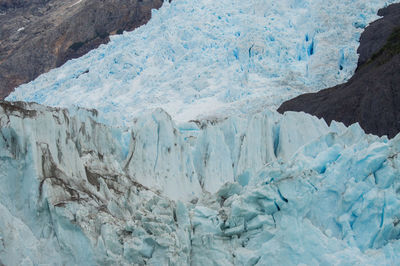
(39, 35)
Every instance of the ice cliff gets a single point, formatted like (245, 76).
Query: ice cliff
(217, 178)
(207, 58)
(253, 189)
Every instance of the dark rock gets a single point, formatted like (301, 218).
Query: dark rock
(38, 35)
(372, 96)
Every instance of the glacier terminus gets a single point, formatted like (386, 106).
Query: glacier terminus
(163, 147)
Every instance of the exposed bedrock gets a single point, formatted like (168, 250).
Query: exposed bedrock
(39, 35)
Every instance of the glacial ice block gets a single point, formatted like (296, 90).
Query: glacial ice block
(77, 191)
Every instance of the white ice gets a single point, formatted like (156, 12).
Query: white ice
(213, 58)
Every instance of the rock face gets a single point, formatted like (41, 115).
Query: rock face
(372, 96)
(39, 35)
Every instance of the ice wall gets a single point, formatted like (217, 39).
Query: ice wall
(336, 202)
(66, 198)
(210, 58)
(262, 188)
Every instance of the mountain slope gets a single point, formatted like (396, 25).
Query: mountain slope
(39, 35)
(372, 96)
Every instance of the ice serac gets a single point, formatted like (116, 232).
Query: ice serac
(243, 190)
(159, 157)
(67, 198)
(205, 58)
(335, 202)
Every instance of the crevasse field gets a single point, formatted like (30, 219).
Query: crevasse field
(200, 58)
(137, 182)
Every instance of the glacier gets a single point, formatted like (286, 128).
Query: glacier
(250, 189)
(201, 58)
(163, 147)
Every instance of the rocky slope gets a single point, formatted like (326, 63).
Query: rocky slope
(372, 96)
(39, 35)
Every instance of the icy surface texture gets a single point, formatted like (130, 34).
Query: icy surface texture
(335, 202)
(208, 58)
(66, 199)
(264, 188)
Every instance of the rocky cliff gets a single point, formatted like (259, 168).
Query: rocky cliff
(39, 35)
(372, 96)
